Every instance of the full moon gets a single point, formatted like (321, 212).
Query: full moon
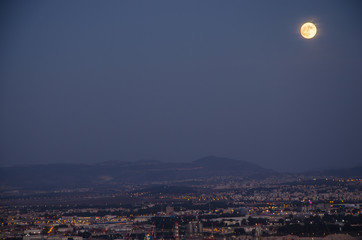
(308, 30)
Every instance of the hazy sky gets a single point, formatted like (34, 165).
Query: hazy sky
(91, 81)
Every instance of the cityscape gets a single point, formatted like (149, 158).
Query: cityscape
(180, 120)
(282, 206)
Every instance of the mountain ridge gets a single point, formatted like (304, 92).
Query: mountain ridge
(118, 173)
(121, 172)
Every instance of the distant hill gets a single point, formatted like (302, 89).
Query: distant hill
(49, 176)
(118, 173)
(345, 172)
(220, 166)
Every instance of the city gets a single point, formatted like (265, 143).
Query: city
(180, 120)
(289, 207)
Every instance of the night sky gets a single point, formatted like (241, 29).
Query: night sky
(93, 81)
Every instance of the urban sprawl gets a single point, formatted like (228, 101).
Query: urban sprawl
(294, 207)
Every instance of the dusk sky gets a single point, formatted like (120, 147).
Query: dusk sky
(93, 81)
